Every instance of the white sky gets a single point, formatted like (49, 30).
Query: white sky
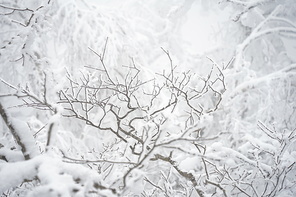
(200, 28)
(202, 23)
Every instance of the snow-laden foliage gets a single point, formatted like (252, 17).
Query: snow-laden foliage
(108, 100)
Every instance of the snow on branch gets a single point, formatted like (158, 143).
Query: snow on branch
(57, 178)
(21, 133)
(247, 6)
(262, 29)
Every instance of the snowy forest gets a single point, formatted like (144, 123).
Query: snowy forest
(135, 98)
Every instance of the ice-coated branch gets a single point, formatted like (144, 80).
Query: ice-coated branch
(218, 186)
(33, 100)
(15, 9)
(102, 59)
(56, 177)
(284, 73)
(247, 6)
(85, 161)
(258, 32)
(20, 132)
(187, 175)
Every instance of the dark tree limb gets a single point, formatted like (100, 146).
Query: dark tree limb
(14, 131)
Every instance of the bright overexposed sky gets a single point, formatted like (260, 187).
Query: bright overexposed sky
(201, 27)
(198, 30)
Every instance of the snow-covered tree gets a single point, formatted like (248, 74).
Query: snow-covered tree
(107, 100)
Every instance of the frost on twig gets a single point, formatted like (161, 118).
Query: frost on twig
(135, 111)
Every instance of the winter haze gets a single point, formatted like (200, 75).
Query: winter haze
(130, 98)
